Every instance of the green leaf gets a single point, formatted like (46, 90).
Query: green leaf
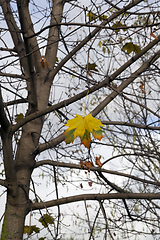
(103, 49)
(26, 229)
(19, 117)
(46, 219)
(92, 66)
(103, 17)
(118, 24)
(99, 44)
(70, 136)
(35, 229)
(130, 47)
(30, 229)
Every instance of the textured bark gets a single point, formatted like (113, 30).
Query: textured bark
(18, 172)
(15, 213)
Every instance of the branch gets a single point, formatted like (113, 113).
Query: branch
(9, 90)
(8, 161)
(94, 169)
(15, 33)
(7, 150)
(8, 49)
(105, 218)
(4, 122)
(53, 37)
(134, 13)
(118, 189)
(119, 89)
(77, 97)
(92, 34)
(50, 144)
(24, 17)
(27, 30)
(128, 124)
(17, 101)
(12, 75)
(4, 183)
(90, 26)
(97, 197)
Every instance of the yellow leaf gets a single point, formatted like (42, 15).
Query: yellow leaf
(83, 127)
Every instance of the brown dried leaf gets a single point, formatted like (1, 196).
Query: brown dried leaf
(98, 162)
(44, 62)
(88, 165)
(88, 72)
(90, 183)
(141, 86)
(152, 34)
(81, 185)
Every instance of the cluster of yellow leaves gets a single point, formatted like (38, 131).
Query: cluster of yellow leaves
(83, 127)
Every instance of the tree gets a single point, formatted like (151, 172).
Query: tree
(61, 58)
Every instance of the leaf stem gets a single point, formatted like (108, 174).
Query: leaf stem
(85, 104)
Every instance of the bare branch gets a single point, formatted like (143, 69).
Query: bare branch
(4, 122)
(98, 197)
(4, 183)
(18, 101)
(51, 144)
(12, 75)
(92, 26)
(23, 9)
(105, 218)
(128, 124)
(53, 38)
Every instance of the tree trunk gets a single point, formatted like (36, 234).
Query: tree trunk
(15, 213)
(17, 205)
